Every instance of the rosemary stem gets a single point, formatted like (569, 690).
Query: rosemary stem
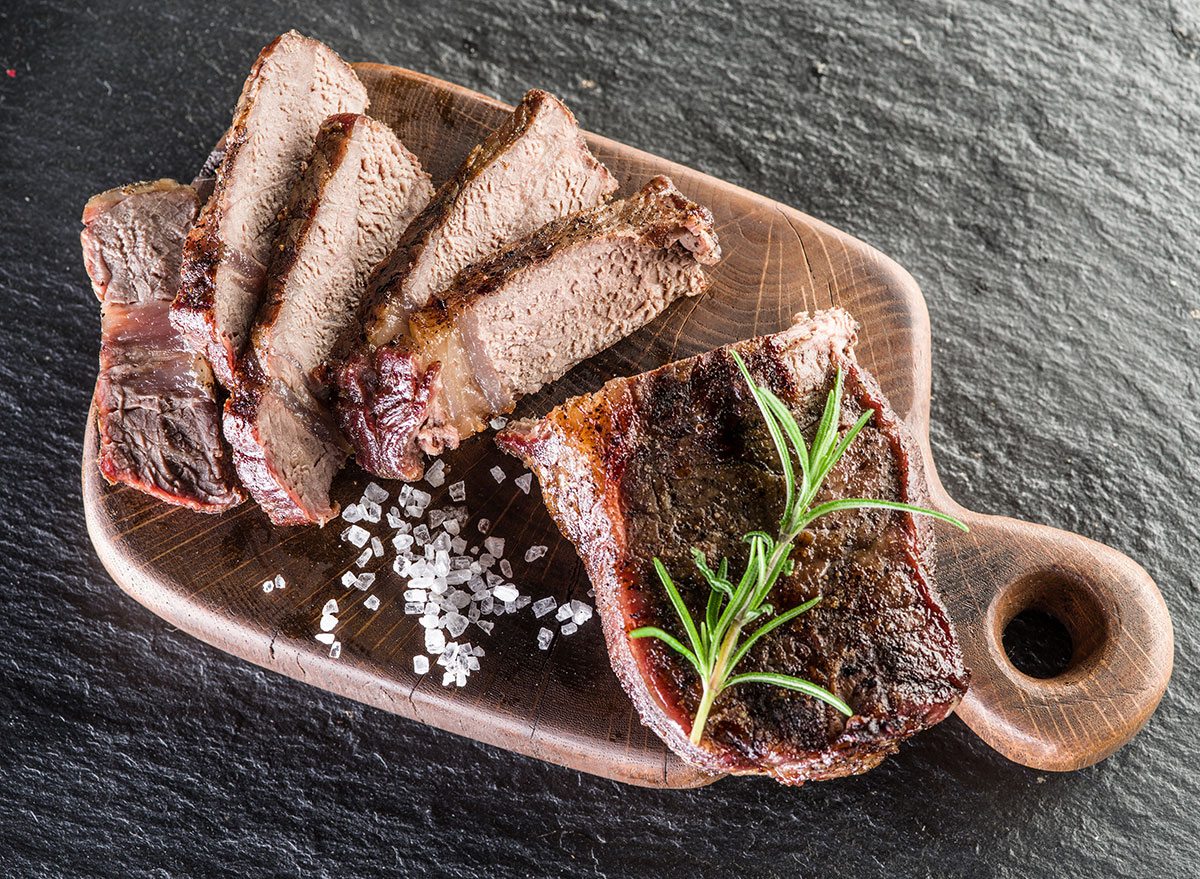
(716, 680)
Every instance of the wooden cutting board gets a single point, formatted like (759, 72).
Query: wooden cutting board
(204, 574)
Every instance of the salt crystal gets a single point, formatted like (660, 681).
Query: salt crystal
(442, 543)
(485, 604)
(494, 545)
(486, 561)
(460, 599)
(582, 613)
(456, 623)
(394, 520)
(435, 641)
(349, 579)
(569, 628)
(421, 498)
(591, 592)
(458, 492)
(371, 511)
(461, 679)
(452, 527)
(421, 533)
(335, 650)
(506, 567)
(362, 560)
(331, 606)
(510, 607)
(534, 553)
(404, 494)
(486, 625)
(325, 637)
(524, 482)
(436, 518)
(415, 595)
(435, 473)
(474, 550)
(269, 586)
(543, 606)
(497, 474)
(279, 581)
(544, 638)
(402, 542)
(375, 492)
(372, 602)
(421, 664)
(328, 623)
(484, 526)
(364, 581)
(352, 513)
(522, 601)
(377, 547)
(414, 607)
(413, 511)
(564, 613)
(506, 592)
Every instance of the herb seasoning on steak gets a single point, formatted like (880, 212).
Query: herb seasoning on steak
(680, 457)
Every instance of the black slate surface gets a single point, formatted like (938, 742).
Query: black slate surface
(1033, 164)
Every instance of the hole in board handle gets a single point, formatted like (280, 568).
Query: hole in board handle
(1050, 625)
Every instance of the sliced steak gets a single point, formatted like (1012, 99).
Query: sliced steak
(158, 419)
(519, 319)
(533, 168)
(359, 191)
(680, 457)
(295, 84)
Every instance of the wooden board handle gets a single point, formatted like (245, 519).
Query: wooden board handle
(1121, 632)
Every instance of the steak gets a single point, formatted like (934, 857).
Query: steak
(358, 192)
(533, 168)
(294, 85)
(521, 318)
(158, 419)
(680, 457)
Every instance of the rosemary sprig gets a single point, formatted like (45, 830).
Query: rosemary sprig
(722, 638)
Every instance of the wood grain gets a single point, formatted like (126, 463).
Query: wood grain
(204, 574)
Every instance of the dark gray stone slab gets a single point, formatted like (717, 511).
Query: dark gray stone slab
(1034, 165)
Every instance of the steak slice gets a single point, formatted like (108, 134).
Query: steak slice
(680, 457)
(521, 318)
(533, 168)
(294, 85)
(359, 191)
(157, 416)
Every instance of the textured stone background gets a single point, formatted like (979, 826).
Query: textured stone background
(1032, 164)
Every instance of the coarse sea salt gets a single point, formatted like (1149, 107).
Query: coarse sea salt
(268, 586)
(372, 602)
(357, 535)
(582, 613)
(375, 492)
(435, 473)
(362, 560)
(505, 592)
(506, 567)
(494, 546)
(544, 637)
(325, 637)
(497, 474)
(524, 482)
(420, 664)
(335, 650)
(484, 526)
(328, 623)
(458, 491)
(564, 613)
(377, 547)
(352, 513)
(371, 511)
(535, 552)
(543, 606)
(331, 606)
(498, 423)
(569, 628)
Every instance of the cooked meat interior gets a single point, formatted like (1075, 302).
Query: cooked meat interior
(521, 318)
(533, 168)
(295, 84)
(359, 190)
(157, 416)
(651, 466)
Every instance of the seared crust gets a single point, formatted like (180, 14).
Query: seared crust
(157, 414)
(678, 457)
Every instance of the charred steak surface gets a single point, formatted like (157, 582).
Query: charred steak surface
(521, 318)
(294, 85)
(157, 416)
(359, 190)
(680, 457)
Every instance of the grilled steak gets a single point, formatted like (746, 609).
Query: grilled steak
(533, 168)
(680, 457)
(358, 192)
(158, 419)
(294, 85)
(521, 318)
